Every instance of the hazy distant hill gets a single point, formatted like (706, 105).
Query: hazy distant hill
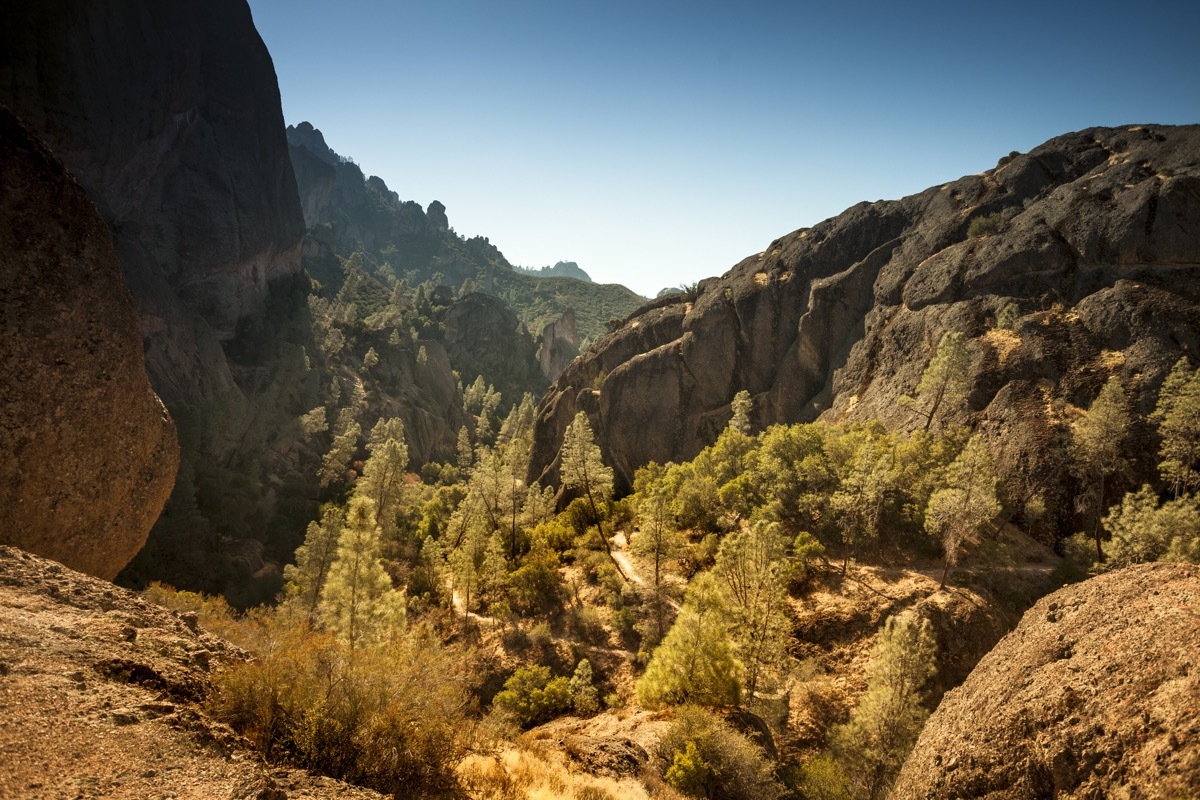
(567, 269)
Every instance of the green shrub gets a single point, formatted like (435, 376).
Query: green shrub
(700, 755)
(986, 225)
(1007, 317)
(531, 696)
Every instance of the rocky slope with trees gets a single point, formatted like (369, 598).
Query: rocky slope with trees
(1059, 268)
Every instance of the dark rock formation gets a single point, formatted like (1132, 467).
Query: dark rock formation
(1094, 694)
(436, 214)
(483, 337)
(87, 452)
(558, 345)
(169, 115)
(1098, 247)
(565, 269)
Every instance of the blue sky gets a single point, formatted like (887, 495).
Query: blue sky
(658, 143)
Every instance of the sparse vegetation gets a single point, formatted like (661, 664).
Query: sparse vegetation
(986, 225)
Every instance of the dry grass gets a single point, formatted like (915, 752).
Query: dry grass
(521, 775)
(1003, 341)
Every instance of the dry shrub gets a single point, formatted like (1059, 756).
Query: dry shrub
(213, 613)
(700, 755)
(393, 718)
(523, 775)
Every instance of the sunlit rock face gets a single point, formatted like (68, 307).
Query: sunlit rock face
(169, 115)
(87, 452)
(1095, 246)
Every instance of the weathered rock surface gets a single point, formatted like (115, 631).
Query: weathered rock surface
(484, 337)
(1095, 694)
(87, 452)
(169, 115)
(558, 345)
(1099, 250)
(102, 695)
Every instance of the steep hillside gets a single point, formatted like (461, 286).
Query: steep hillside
(1093, 695)
(403, 241)
(1062, 266)
(89, 453)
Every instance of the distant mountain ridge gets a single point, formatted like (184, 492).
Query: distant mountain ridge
(566, 269)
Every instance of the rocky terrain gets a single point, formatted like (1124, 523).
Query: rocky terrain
(89, 452)
(102, 695)
(1091, 238)
(1095, 694)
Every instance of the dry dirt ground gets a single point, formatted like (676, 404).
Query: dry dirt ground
(100, 696)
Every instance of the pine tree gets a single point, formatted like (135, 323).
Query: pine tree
(358, 602)
(656, 539)
(694, 663)
(945, 380)
(1178, 417)
(583, 470)
(345, 442)
(966, 503)
(1096, 442)
(314, 558)
(384, 471)
(885, 725)
(741, 407)
(748, 570)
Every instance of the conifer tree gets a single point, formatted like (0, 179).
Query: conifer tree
(1096, 441)
(694, 663)
(748, 570)
(358, 602)
(583, 469)
(384, 471)
(881, 733)
(314, 558)
(944, 383)
(345, 442)
(741, 406)
(1178, 418)
(656, 538)
(965, 504)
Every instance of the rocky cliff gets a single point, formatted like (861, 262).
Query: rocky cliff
(1095, 694)
(169, 115)
(87, 452)
(1090, 244)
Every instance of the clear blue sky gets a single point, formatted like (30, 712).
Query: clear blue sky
(657, 143)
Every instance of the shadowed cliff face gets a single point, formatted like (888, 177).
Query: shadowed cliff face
(169, 115)
(1099, 250)
(87, 452)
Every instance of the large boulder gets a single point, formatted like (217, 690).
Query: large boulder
(88, 454)
(1095, 694)
(1092, 255)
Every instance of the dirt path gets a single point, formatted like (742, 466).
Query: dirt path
(620, 553)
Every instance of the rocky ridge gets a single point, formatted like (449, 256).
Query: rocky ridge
(89, 452)
(1094, 240)
(1095, 694)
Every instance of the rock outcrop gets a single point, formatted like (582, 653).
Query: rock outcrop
(169, 115)
(483, 337)
(102, 695)
(87, 452)
(1095, 694)
(1093, 248)
(558, 345)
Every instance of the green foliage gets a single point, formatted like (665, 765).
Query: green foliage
(393, 719)
(1178, 418)
(305, 579)
(967, 501)
(345, 443)
(1006, 159)
(694, 663)
(358, 602)
(741, 407)
(702, 756)
(946, 379)
(531, 696)
(1007, 316)
(1141, 529)
(872, 746)
(986, 225)
(1096, 447)
(584, 696)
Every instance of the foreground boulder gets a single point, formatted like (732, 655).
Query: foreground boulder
(1095, 694)
(88, 454)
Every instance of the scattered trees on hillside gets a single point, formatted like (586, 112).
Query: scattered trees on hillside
(583, 470)
(945, 381)
(1178, 418)
(1096, 448)
(966, 503)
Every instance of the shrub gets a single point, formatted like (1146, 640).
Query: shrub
(531, 696)
(390, 718)
(1007, 316)
(700, 755)
(986, 225)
